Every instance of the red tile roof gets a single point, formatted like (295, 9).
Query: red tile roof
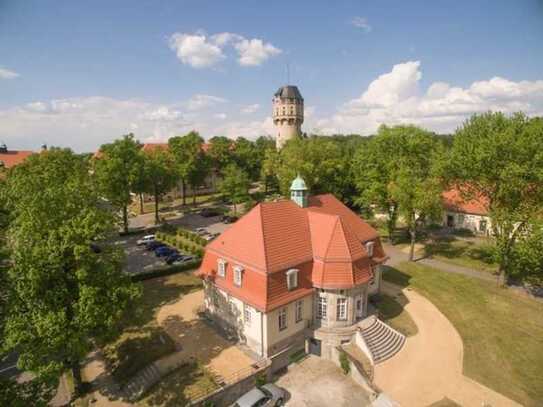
(13, 157)
(324, 241)
(453, 201)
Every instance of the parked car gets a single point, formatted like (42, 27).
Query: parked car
(201, 231)
(154, 244)
(145, 239)
(229, 219)
(209, 212)
(174, 257)
(267, 395)
(183, 260)
(164, 251)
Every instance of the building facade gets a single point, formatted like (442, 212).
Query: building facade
(287, 114)
(293, 274)
(461, 213)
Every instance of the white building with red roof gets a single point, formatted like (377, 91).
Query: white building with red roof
(11, 158)
(293, 273)
(466, 213)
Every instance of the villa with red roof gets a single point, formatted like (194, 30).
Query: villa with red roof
(293, 274)
(462, 213)
(11, 158)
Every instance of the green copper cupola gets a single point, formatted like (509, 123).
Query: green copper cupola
(299, 192)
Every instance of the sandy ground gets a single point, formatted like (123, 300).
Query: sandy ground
(429, 367)
(317, 382)
(198, 340)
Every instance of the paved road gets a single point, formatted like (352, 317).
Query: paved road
(8, 368)
(317, 382)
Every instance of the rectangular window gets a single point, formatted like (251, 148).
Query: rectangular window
(369, 248)
(299, 310)
(238, 274)
(321, 308)
(282, 319)
(292, 279)
(341, 309)
(247, 313)
(482, 225)
(221, 268)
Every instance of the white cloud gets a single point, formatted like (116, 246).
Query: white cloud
(254, 52)
(396, 97)
(361, 22)
(200, 51)
(221, 116)
(250, 108)
(7, 74)
(199, 102)
(195, 50)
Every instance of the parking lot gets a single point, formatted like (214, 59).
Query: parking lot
(139, 260)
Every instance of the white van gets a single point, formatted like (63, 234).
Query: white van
(146, 239)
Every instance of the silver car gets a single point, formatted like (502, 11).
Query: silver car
(266, 396)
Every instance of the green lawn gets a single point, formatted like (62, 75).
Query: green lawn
(502, 331)
(472, 254)
(142, 340)
(392, 312)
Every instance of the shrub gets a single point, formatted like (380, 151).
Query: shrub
(260, 380)
(344, 362)
(165, 271)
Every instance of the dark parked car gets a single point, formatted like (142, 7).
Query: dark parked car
(229, 219)
(154, 245)
(209, 212)
(174, 257)
(183, 260)
(164, 251)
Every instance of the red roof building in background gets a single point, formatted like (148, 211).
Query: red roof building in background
(291, 269)
(11, 158)
(466, 211)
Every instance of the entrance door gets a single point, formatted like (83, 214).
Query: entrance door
(315, 346)
(450, 221)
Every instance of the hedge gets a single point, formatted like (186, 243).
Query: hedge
(165, 271)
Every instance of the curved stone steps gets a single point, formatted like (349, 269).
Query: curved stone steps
(382, 341)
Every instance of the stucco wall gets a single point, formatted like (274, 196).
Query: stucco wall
(277, 339)
(468, 221)
(332, 296)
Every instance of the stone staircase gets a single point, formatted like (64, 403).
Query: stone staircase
(142, 381)
(382, 341)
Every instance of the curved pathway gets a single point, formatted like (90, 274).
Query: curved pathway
(429, 367)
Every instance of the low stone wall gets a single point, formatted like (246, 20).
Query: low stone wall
(356, 374)
(230, 392)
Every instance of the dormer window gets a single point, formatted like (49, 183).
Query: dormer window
(369, 248)
(238, 275)
(292, 279)
(221, 268)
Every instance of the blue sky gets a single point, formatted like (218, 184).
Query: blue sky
(79, 74)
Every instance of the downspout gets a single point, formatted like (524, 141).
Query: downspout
(262, 334)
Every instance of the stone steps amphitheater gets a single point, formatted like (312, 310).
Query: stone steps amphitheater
(382, 341)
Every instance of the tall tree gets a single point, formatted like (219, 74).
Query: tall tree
(160, 174)
(246, 157)
(381, 167)
(501, 158)
(235, 185)
(318, 160)
(268, 172)
(220, 153)
(117, 170)
(65, 286)
(189, 160)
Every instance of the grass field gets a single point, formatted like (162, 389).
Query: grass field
(471, 254)
(142, 340)
(392, 312)
(502, 331)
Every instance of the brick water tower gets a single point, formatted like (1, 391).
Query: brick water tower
(288, 114)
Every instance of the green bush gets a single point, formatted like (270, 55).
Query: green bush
(344, 362)
(260, 380)
(166, 270)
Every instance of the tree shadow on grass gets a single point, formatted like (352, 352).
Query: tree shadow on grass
(395, 276)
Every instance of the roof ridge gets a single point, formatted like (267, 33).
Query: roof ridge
(331, 236)
(343, 234)
(260, 216)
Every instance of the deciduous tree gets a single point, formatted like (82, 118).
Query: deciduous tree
(235, 185)
(118, 170)
(65, 284)
(501, 158)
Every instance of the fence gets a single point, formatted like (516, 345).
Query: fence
(231, 387)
